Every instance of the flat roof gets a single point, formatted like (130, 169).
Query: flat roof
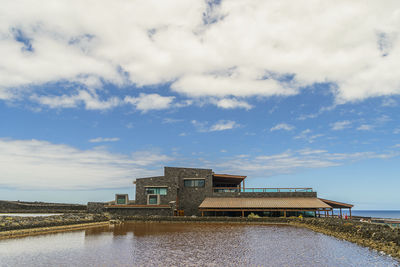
(264, 203)
(229, 176)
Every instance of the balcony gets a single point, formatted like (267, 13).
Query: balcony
(260, 190)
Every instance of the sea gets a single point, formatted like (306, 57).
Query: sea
(385, 214)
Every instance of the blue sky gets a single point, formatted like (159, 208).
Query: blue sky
(90, 101)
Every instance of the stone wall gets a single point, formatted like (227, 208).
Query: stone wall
(141, 196)
(191, 197)
(264, 194)
(188, 199)
(376, 236)
(18, 222)
(95, 207)
(140, 211)
(39, 207)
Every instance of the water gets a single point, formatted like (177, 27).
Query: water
(29, 214)
(391, 214)
(188, 244)
(384, 214)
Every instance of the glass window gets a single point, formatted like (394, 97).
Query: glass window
(156, 190)
(121, 200)
(194, 183)
(153, 200)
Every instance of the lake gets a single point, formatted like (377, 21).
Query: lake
(188, 244)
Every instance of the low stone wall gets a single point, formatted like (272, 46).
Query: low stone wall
(189, 219)
(96, 207)
(39, 207)
(140, 211)
(8, 223)
(376, 236)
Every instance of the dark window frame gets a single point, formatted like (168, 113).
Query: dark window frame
(194, 183)
(156, 191)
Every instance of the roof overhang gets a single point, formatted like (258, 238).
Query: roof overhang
(336, 204)
(228, 178)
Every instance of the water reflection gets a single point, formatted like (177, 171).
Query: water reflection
(190, 244)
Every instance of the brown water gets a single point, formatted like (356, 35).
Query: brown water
(188, 244)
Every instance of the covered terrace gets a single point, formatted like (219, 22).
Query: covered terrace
(269, 206)
(337, 205)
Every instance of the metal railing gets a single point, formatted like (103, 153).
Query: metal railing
(261, 190)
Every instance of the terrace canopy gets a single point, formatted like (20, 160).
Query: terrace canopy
(338, 205)
(227, 180)
(264, 204)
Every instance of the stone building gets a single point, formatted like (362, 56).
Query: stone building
(192, 191)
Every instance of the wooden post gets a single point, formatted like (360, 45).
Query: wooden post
(243, 186)
(341, 213)
(202, 213)
(242, 213)
(284, 213)
(350, 213)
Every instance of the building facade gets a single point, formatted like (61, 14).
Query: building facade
(199, 192)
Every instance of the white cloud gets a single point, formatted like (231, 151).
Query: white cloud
(282, 126)
(146, 102)
(102, 139)
(308, 136)
(223, 125)
(340, 125)
(293, 161)
(90, 100)
(171, 120)
(247, 50)
(230, 103)
(365, 127)
(35, 164)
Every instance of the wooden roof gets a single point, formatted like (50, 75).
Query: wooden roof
(263, 203)
(336, 204)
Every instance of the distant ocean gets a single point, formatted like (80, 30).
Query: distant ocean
(390, 214)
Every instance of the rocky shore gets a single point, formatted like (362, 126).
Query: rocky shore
(379, 237)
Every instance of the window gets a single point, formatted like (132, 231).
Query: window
(121, 199)
(152, 200)
(194, 182)
(156, 190)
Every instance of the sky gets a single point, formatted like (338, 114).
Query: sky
(94, 94)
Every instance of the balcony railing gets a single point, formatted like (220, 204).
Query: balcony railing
(261, 190)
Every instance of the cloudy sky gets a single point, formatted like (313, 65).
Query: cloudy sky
(96, 93)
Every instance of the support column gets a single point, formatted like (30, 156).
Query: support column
(243, 213)
(341, 213)
(284, 213)
(202, 214)
(243, 186)
(350, 213)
